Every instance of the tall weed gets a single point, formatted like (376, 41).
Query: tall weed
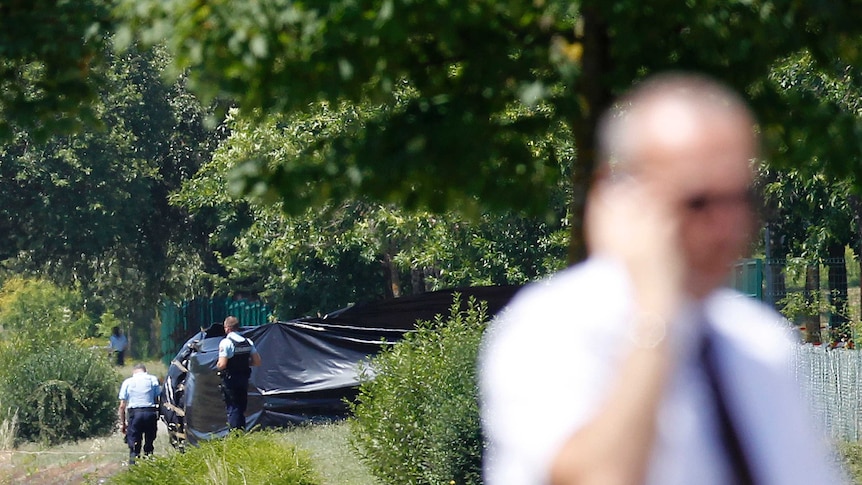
(417, 416)
(8, 428)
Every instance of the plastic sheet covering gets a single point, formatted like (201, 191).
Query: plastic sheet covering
(310, 366)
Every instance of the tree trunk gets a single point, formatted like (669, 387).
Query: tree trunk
(812, 297)
(596, 98)
(417, 280)
(839, 323)
(393, 278)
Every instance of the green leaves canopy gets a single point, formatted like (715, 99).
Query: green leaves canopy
(356, 250)
(440, 80)
(50, 52)
(484, 80)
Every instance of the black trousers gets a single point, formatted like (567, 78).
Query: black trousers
(235, 391)
(141, 430)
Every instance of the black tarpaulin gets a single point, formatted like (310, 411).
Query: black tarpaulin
(309, 366)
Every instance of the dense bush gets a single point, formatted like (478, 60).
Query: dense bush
(417, 417)
(61, 393)
(261, 458)
(36, 313)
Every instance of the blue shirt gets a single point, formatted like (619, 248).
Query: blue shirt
(118, 343)
(140, 390)
(226, 346)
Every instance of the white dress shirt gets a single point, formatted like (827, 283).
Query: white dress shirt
(548, 360)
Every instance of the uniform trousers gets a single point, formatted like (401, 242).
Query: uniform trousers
(141, 430)
(235, 390)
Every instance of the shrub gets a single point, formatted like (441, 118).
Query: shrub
(261, 458)
(35, 314)
(850, 454)
(417, 416)
(61, 393)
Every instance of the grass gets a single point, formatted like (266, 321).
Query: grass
(89, 461)
(255, 458)
(332, 454)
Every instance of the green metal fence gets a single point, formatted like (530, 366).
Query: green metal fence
(747, 277)
(179, 321)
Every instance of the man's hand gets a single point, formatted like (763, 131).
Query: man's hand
(632, 225)
(121, 413)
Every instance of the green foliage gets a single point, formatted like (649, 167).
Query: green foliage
(50, 55)
(826, 111)
(433, 90)
(36, 314)
(448, 101)
(417, 416)
(107, 322)
(259, 458)
(357, 249)
(808, 211)
(90, 208)
(61, 392)
(851, 459)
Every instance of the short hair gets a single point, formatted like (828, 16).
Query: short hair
(616, 140)
(140, 366)
(231, 321)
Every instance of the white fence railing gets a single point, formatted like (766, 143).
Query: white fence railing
(832, 381)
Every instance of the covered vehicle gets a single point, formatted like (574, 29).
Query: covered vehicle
(310, 366)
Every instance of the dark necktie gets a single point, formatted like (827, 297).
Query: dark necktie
(740, 467)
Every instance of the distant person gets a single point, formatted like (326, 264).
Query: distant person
(118, 343)
(236, 356)
(636, 366)
(139, 405)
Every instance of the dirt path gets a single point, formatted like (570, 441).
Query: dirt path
(73, 473)
(87, 462)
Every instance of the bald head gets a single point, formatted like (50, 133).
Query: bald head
(666, 112)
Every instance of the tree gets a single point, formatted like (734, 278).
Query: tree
(468, 64)
(812, 208)
(51, 52)
(91, 209)
(813, 218)
(357, 249)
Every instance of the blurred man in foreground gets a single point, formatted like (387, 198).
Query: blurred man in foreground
(636, 366)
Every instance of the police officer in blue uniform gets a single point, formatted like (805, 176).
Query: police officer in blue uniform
(236, 356)
(139, 401)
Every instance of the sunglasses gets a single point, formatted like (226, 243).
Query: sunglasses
(704, 202)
